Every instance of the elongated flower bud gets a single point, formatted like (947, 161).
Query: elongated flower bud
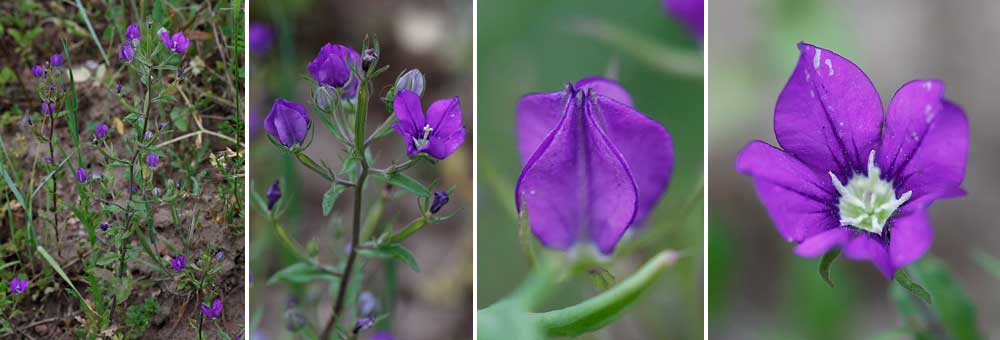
(413, 81)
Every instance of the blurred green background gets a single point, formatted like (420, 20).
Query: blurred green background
(529, 46)
(434, 36)
(758, 289)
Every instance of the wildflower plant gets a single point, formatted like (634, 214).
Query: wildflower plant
(344, 84)
(109, 179)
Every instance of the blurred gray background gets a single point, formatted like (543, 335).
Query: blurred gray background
(758, 288)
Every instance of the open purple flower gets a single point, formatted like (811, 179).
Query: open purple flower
(214, 311)
(81, 175)
(288, 122)
(177, 43)
(330, 69)
(178, 263)
(844, 176)
(56, 59)
(18, 285)
(132, 34)
(690, 13)
(126, 53)
(104, 226)
(260, 38)
(438, 134)
(152, 159)
(101, 130)
(592, 163)
(38, 71)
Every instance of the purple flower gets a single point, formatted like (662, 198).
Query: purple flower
(220, 255)
(118, 88)
(438, 134)
(48, 108)
(178, 263)
(18, 285)
(126, 53)
(101, 130)
(152, 159)
(134, 189)
(592, 163)
(273, 194)
(847, 176)
(214, 311)
(412, 81)
(440, 199)
(260, 38)
(104, 226)
(132, 34)
(38, 71)
(329, 68)
(288, 122)
(56, 59)
(81, 175)
(382, 336)
(177, 43)
(690, 13)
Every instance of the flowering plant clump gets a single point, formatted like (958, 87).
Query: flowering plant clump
(850, 179)
(343, 82)
(130, 163)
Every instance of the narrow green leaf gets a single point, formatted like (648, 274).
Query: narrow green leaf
(301, 273)
(393, 251)
(407, 183)
(601, 310)
(825, 263)
(55, 265)
(330, 197)
(918, 291)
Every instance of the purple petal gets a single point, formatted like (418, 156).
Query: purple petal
(551, 182)
(165, 37)
(937, 158)
(800, 201)
(445, 116)
(829, 115)
(870, 247)
(408, 112)
(288, 122)
(821, 243)
(180, 42)
(691, 13)
(646, 146)
(537, 115)
(612, 192)
(911, 237)
(606, 87)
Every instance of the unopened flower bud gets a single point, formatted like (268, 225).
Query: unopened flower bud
(412, 80)
(440, 199)
(273, 194)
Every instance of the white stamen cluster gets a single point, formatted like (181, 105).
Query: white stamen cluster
(867, 201)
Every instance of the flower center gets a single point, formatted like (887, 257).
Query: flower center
(424, 139)
(867, 201)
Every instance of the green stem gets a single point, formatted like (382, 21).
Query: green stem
(411, 228)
